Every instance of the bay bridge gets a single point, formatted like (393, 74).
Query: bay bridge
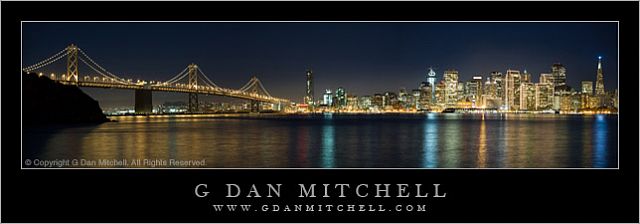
(190, 80)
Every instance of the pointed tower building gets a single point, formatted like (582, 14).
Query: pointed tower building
(599, 78)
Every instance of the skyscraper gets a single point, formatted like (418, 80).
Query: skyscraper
(587, 87)
(341, 97)
(328, 98)
(451, 86)
(431, 79)
(599, 78)
(559, 73)
(308, 98)
(511, 89)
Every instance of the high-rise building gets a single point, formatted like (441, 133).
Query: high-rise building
(546, 78)
(587, 87)
(526, 77)
(599, 78)
(416, 98)
(527, 96)
(308, 98)
(431, 79)
(511, 89)
(341, 98)
(377, 100)
(441, 94)
(328, 98)
(352, 102)
(426, 95)
(544, 96)
(364, 102)
(451, 87)
(559, 74)
(474, 90)
(498, 79)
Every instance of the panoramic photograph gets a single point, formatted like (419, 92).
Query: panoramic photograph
(321, 95)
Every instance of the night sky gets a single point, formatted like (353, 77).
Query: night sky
(364, 58)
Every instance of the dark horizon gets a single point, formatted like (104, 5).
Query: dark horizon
(364, 58)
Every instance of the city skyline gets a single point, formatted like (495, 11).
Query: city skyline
(393, 60)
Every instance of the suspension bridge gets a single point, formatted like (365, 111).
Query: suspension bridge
(190, 80)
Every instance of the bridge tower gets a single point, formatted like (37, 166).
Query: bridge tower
(72, 63)
(193, 84)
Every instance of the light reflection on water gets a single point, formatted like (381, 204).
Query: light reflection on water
(430, 141)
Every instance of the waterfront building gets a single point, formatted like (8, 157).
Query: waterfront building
(559, 74)
(543, 96)
(474, 91)
(390, 101)
(587, 87)
(441, 93)
(451, 87)
(526, 77)
(599, 78)
(431, 79)
(546, 78)
(328, 98)
(426, 95)
(527, 96)
(498, 79)
(364, 102)
(352, 102)
(512, 89)
(341, 98)
(308, 98)
(377, 100)
(417, 94)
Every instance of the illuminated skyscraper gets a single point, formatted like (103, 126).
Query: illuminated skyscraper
(546, 78)
(308, 98)
(451, 87)
(498, 79)
(527, 96)
(474, 90)
(599, 78)
(587, 87)
(511, 89)
(431, 79)
(559, 73)
(544, 96)
(328, 98)
(341, 97)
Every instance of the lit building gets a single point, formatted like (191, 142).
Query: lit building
(426, 92)
(511, 90)
(587, 87)
(474, 91)
(546, 78)
(341, 98)
(498, 79)
(377, 100)
(416, 98)
(490, 96)
(451, 87)
(543, 96)
(559, 74)
(431, 79)
(308, 98)
(527, 96)
(526, 77)
(352, 102)
(441, 93)
(364, 102)
(599, 78)
(328, 98)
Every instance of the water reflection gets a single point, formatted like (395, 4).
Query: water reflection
(429, 141)
(328, 145)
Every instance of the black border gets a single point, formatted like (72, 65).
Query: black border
(167, 195)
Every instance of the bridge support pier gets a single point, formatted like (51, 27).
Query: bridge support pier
(193, 103)
(144, 103)
(255, 106)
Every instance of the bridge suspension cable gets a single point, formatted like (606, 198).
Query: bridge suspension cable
(178, 77)
(207, 79)
(255, 81)
(108, 74)
(47, 61)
